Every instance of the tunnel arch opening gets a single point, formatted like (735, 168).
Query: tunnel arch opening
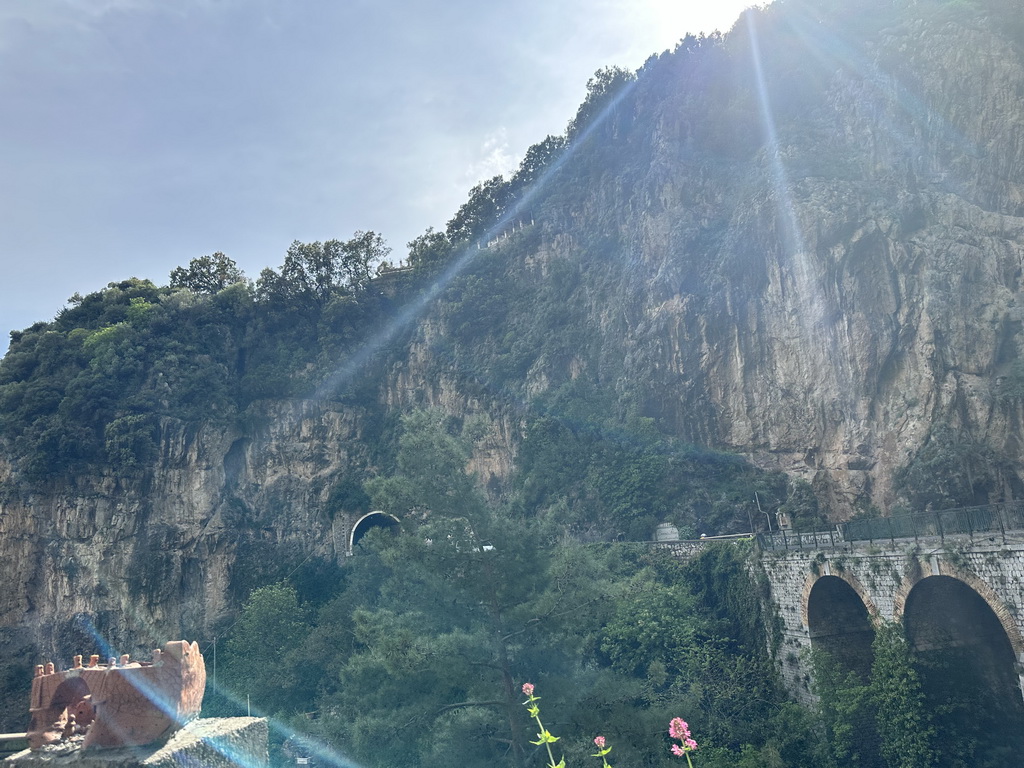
(840, 626)
(69, 711)
(967, 666)
(370, 521)
(69, 697)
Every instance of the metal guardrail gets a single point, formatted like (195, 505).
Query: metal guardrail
(990, 518)
(784, 540)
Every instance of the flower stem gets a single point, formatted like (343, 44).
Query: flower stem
(551, 757)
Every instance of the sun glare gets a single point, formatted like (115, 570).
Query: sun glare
(674, 19)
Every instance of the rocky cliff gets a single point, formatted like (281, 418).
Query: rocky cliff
(127, 560)
(139, 558)
(806, 247)
(801, 243)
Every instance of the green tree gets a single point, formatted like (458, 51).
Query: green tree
(207, 274)
(360, 256)
(466, 552)
(431, 475)
(472, 605)
(694, 635)
(602, 89)
(538, 158)
(129, 441)
(312, 273)
(487, 201)
(429, 249)
(262, 657)
(846, 712)
(904, 725)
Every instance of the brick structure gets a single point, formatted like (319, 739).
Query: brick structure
(119, 703)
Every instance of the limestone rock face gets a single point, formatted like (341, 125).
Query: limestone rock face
(134, 559)
(820, 303)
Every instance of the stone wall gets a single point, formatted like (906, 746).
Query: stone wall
(214, 742)
(883, 575)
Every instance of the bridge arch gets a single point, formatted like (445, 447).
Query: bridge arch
(840, 620)
(940, 567)
(852, 581)
(966, 656)
(376, 519)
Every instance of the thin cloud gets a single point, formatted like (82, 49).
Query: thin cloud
(495, 158)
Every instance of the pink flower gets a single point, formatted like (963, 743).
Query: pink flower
(600, 742)
(678, 729)
(528, 689)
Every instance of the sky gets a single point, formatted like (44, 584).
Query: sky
(136, 135)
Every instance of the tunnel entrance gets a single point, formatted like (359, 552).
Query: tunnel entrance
(368, 522)
(839, 625)
(967, 668)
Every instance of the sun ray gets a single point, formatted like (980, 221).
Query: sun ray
(806, 298)
(348, 369)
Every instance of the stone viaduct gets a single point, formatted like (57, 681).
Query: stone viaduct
(960, 591)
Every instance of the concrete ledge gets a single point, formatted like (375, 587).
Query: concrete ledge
(215, 742)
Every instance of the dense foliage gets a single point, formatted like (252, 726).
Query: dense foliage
(917, 709)
(418, 654)
(419, 657)
(91, 388)
(601, 475)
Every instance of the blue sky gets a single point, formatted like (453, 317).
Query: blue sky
(139, 134)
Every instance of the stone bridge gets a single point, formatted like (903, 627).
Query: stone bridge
(959, 593)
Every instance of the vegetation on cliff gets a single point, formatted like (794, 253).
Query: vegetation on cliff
(88, 391)
(421, 652)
